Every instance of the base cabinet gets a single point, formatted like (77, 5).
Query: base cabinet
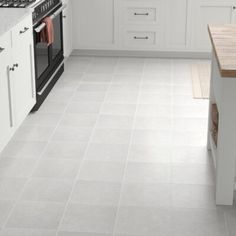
(93, 24)
(210, 12)
(6, 124)
(17, 80)
(148, 25)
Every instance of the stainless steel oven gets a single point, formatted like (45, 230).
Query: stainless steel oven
(48, 58)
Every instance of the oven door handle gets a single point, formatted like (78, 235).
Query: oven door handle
(55, 14)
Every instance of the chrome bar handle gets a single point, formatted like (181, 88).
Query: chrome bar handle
(55, 14)
(135, 37)
(141, 14)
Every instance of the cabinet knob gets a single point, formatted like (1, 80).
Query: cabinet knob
(15, 65)
(234, 7)
(23, 31)
(11, 69)
(64, 17)
(2, 49)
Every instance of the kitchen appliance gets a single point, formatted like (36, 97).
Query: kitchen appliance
(49, 59)
(16, 3)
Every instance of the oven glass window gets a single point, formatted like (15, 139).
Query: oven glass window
(42, 58)
(57, 44)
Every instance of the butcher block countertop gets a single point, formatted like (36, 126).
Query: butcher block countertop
(223, 40)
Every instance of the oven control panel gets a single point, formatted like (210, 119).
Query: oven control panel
(44, 8)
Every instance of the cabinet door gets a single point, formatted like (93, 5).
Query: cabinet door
(5, 92)
(23, 76)
(67, 28)
(177, 24)
(210, 12)
(93, 24)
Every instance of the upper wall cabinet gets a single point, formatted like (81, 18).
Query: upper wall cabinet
(210, 12)
(93, 24)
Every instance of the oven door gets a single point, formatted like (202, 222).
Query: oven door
(48, 57)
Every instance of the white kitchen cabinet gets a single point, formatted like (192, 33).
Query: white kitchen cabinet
(6, 124)
(17, 79)
(67, 28)
(177, 24)
(93, 24)
(210, 12)
(23, 79)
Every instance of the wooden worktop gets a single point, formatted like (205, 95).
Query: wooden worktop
(223, 39)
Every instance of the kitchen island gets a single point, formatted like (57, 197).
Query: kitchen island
(222, 133)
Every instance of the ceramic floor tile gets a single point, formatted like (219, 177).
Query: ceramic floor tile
(11, 188)
(84, 107)
(118, 109)
(112, 136)
(120, 98)
(148, 122)
(96, 193)
(83, 218)
(65, 150)
(152, 137)
(143, 221)
(89, 96)
(78, 120)
(99, 78)
(52, 107)
(24, 149)
(193, 174)
(17, 167)
(102, 171)
(124, 79)
(5, 208)
(63, 233)
(72, 134)
(115, 122)
(92, 87)
(33, 133)
(198, 222)
(193, 196)
(148, 172)
(143, 194)
(230, 215)
(47, 190)
(154, 110)
(36, 215)
(57, 168)
(46, 119)
(148, 153)
(27, 232)
(107, 152)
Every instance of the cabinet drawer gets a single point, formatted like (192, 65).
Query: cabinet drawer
(141, 12)
(140, 38)
(22, 32)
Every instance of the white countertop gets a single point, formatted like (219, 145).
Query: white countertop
(9, 17)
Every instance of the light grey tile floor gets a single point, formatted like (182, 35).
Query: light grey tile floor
(117, 149)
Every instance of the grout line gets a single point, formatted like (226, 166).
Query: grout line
(129, 149)
(83, 159)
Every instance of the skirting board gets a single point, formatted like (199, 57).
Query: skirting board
(159, 54)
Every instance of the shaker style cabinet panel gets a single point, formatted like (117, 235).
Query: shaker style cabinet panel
(23, 79)
(17, 78)
(93, 24)
(5, 90)
(141, 24)
(177, 24)
(213, 12)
